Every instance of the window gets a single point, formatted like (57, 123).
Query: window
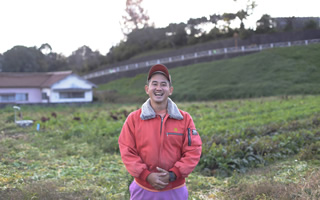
(7, 97)
(44, 96)
(71, 95)
(13, 97)
(22, 97)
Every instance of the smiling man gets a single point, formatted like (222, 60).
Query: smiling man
(159, 143)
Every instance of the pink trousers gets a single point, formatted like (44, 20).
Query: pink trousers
(138, 193)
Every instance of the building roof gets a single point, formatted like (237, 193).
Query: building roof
(27, 80)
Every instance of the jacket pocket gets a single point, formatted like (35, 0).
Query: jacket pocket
(181, 134)
(175, 139)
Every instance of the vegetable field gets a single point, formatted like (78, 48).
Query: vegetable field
(263, 148)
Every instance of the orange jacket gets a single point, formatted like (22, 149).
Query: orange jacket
(147, 141)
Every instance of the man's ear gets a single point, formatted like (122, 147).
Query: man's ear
(146, 88)
(170, 90)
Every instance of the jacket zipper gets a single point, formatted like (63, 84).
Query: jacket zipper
(161, 124)
(189, 137)
(160, 142)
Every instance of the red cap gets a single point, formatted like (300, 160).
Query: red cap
(161, 69)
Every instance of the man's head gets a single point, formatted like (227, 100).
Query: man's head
(159, 86)
(159, 69)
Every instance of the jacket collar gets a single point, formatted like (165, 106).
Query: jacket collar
(148, 112)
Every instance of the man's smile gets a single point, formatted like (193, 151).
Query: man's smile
(158, 94)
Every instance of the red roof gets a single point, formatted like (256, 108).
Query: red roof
(38, 80)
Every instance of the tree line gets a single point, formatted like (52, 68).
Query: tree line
(141, 36)
(33, 59)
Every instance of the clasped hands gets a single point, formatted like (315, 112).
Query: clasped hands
(159, 180)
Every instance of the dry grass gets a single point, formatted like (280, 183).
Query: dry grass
(38, 191)
(310, 188)
(307, 189)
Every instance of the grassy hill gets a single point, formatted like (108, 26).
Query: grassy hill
(273, 72)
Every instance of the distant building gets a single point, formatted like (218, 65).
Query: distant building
(49, 87)
(294, 23)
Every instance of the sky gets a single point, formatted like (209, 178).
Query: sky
(67, 25)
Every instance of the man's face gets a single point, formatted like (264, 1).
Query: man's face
(158, 89)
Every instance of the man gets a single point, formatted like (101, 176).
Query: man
(159, 144)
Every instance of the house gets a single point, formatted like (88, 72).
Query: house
(48, 87)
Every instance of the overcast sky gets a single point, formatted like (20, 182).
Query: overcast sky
(69, 24)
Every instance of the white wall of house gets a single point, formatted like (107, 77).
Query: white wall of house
(47, 91)
(71, 89)
(22, 95)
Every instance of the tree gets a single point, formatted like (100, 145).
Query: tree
(251, 5)
(136, 17)
(242, 15)
(228, 17)
(56, 62)
(246, 12)
(45, 48)
(24, 59)
(289, 24)
(215, 18)
(214, 34)
(138, 41)
(194, 26)
(147, 38)
(176, 34)
(265, 24)
(84, 59)
(311, 24)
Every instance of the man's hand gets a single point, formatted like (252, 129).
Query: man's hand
(159, 180)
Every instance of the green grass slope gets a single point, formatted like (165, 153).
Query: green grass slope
(278, 71)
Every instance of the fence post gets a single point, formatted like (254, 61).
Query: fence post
(306, 42)
(289, 44)
(225, 50)
(242, 48)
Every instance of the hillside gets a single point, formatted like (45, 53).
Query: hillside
(273, 72)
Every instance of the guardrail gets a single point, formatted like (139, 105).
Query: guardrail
(189, 56)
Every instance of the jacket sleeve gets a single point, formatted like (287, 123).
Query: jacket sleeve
(128, 151)
(191, 151)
